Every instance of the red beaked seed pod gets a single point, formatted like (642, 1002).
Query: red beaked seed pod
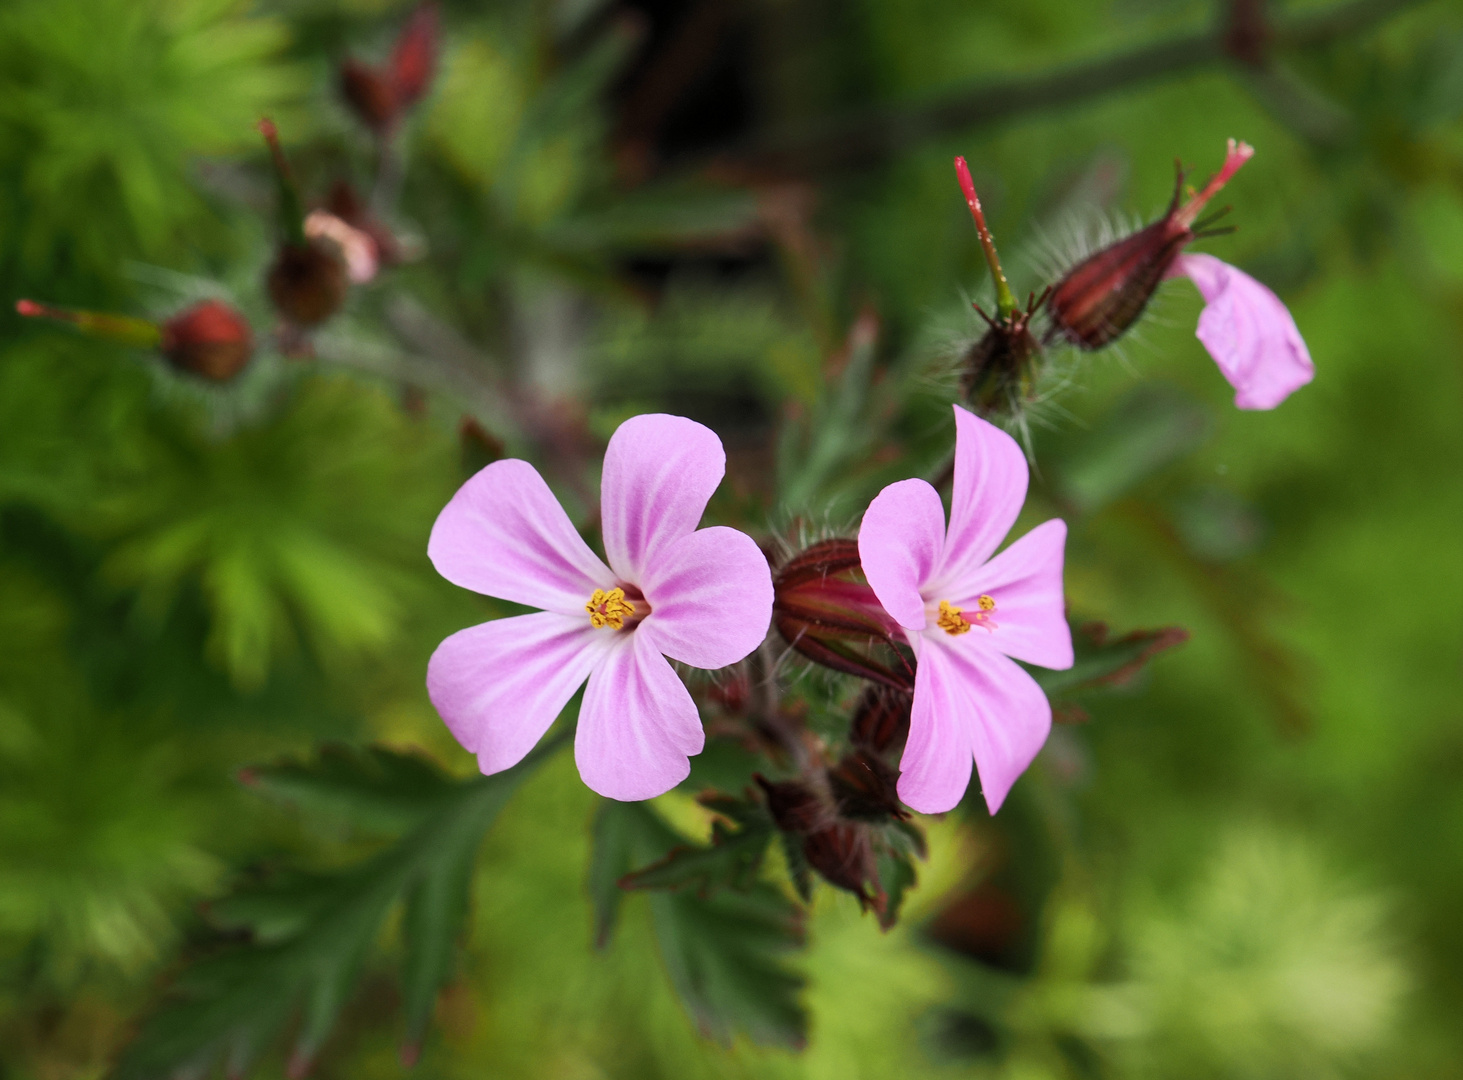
(209, 339)
(307, 283)
(824, 609)
(1103, 295)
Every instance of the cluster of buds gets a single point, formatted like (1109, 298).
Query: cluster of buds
(1245, 327)
(209, 340)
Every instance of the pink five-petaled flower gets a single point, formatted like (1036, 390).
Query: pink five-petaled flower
(967, 614)
(1248, 331)
(702, 597)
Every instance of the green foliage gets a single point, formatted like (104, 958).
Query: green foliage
(723, 950)
(732, 860)
(310, 936)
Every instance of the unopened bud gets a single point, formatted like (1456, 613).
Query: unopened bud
(414, 59)
(795, 806)
(307, 283)
(998, 373)
(1104, 294)
(826, 611)
(209, 339)
(369, 93)
(863, 787)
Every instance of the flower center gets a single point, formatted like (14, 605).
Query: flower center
(955, 621)
(612, 609)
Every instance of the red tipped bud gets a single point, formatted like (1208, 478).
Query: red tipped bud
(210, 340)
(825, 610)
(1104, 294)
(881, 719)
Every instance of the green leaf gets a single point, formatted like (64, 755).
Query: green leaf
(732, 859)
(1101, 663)
(311, 935)
(724, 953)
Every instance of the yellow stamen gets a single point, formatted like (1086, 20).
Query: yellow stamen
(986, 603)
(609, 608)
(950, 620)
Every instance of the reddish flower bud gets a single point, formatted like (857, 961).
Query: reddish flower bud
(881, 719)
(1103, 295)
(863, 787)
(380, 95)
(843, 855)
(795, 806)
(414, 59)
(307, 283)
(824, 609)
(210, 340)
(369, 93)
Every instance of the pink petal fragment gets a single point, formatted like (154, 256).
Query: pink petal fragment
(499, 686)
(899, 545)
(659, 473)
(710, 596)
(1249, 332)
(638, 725)
(505, 535)
(935, 768)
(1025, 581)
(990, 482)
(1009, 716)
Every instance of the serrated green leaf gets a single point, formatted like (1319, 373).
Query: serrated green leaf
(731, 860)
(371, 788)
(724, 953)
(314, 934)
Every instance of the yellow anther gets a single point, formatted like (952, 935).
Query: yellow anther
(950, 620)
(986, 603)
(609, 608)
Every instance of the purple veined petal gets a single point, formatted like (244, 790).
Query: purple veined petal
(638, 726)
(1010, 718)
(1025, 581)
(505, 535)
(1249, 332)
(710, 596)
(935, 769)
(899, 546)
(659, 473)
(498, 686)
(989, 488)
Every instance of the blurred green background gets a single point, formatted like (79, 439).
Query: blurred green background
(1248, 863)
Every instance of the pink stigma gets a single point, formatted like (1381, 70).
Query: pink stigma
(1235, 156)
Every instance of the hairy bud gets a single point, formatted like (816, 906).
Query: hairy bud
(210, 340)
(825, 610)
(380, 96)
(1104, 294)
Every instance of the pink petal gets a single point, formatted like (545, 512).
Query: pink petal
(659, 472)
(499, 686)
(899, 546)
(505, 535)
(710, 596)
(1025, 581)
(935, 769)
(1004, 716)
(638, 725)
(989, 487)
(1249, 332)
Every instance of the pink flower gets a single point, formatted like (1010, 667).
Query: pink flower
(1248, 331)
(702, 597)
(966, 614)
